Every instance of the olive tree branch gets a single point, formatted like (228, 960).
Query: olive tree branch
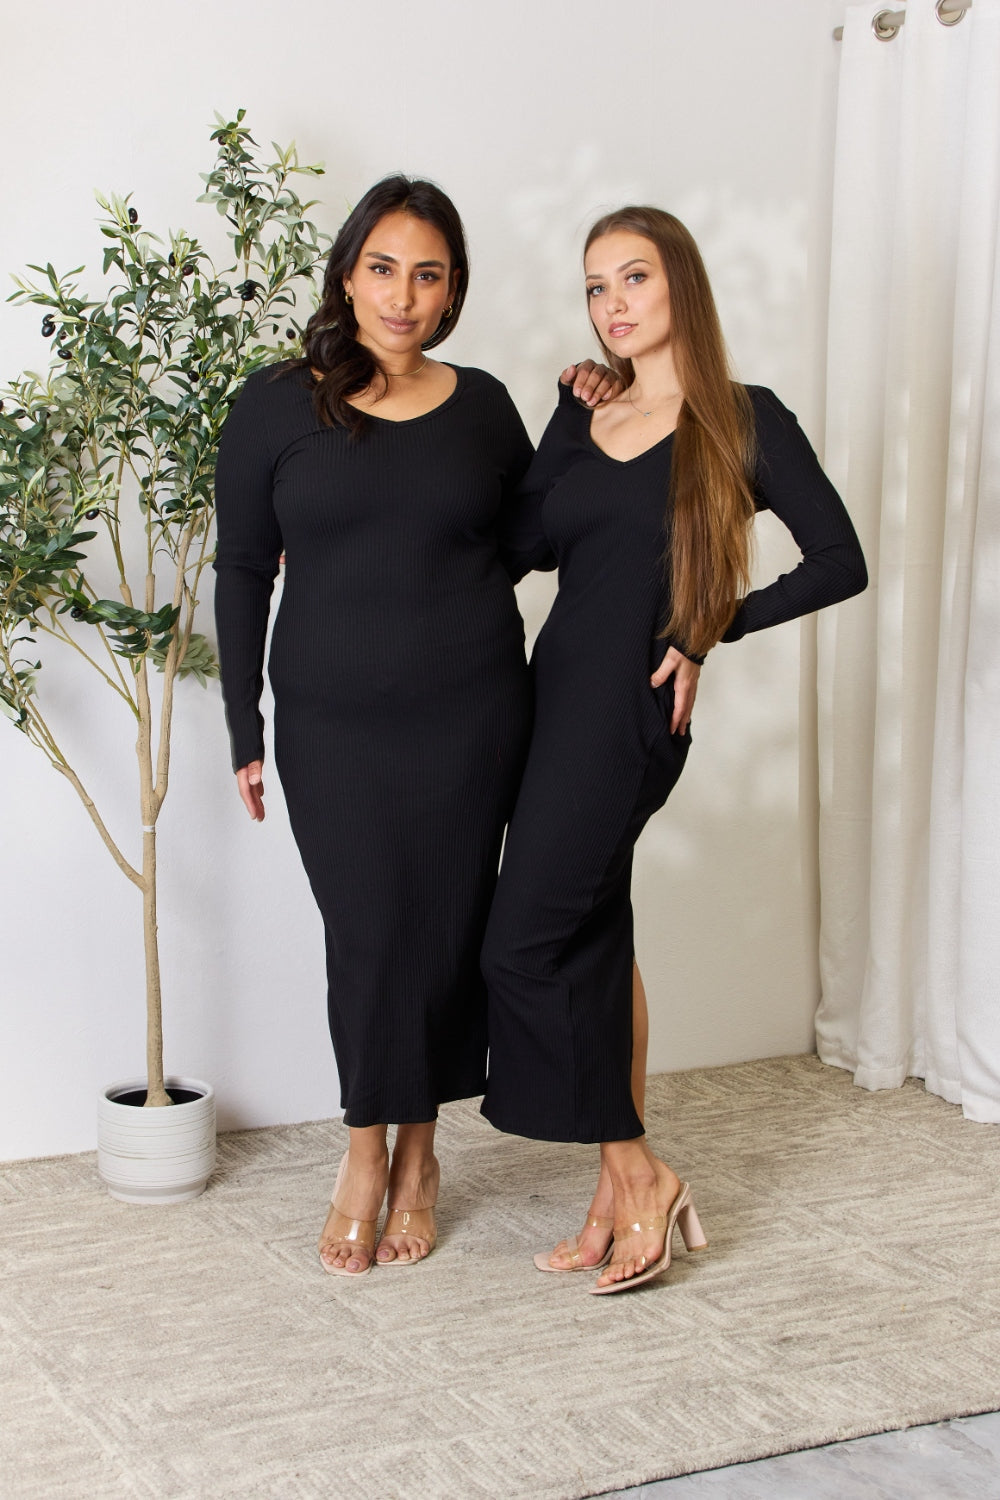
(59, 632)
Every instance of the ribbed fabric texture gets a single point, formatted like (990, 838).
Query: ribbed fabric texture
(402, 705)
(791, 483)
(558, 949)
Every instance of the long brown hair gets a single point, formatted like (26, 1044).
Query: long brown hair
(330, 343)
(710, 504)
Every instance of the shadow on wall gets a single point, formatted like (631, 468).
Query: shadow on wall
(725, 931)
(725, 922)
(755, 251)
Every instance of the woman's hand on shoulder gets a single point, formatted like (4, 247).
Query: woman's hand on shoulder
(685, 673)
(592, 383)
(249, 779)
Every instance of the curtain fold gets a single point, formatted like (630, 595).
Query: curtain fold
(909, 679)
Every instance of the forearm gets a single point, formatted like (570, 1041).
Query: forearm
(242, 606)
(828, 577)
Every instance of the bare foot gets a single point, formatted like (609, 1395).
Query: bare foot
(588, 1248)
(409, 1232)
(642, 1196)
(348, 1237)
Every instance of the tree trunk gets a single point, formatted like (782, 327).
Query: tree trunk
(156, 1094)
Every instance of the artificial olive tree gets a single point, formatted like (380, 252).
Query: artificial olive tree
(106, 463)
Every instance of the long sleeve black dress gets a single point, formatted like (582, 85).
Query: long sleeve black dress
(558, 950)
(402, 704)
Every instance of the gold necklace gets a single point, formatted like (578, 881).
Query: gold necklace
(628, 392)
(398, 374)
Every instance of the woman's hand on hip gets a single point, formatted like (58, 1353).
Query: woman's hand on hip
(592, 383)
(685, 674)
(251, 785)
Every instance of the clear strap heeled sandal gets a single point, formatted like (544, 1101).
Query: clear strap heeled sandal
(571, 1247)
(682, 1214)
(418, 1222)
(341, 1230)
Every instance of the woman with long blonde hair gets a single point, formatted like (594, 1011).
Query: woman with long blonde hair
(646, 506)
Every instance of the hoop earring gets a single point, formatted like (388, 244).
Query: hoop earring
(448, 311)
(348, 299)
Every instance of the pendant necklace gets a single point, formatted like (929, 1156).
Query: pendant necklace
(649, 413)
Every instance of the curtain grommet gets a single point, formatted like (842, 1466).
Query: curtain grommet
(886, 24)
(950, 14)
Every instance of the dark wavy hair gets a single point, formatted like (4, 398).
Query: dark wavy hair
(330, 344)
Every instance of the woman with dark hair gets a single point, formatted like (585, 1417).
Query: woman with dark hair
(646, 506)
(402, 702)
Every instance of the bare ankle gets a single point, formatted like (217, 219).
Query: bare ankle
(367, 1162)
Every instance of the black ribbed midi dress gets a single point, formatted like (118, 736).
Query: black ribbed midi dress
(402, 704)
(559, 944)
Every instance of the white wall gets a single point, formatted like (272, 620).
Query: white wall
(535, 117)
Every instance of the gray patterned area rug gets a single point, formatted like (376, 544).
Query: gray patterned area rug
(198, 1353)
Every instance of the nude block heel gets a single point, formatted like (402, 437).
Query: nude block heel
(690, 1227)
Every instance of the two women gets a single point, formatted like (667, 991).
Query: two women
(646, 506)
(402, 700)
(397, 488)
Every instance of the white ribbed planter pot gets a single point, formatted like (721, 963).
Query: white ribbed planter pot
(161, 1155)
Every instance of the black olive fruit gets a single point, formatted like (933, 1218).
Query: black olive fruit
(91, 515)
(133, 217)
(48, 327)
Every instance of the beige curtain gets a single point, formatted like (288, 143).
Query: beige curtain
(910, 672)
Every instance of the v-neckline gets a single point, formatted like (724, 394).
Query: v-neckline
(624, 462)
(423, 415)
